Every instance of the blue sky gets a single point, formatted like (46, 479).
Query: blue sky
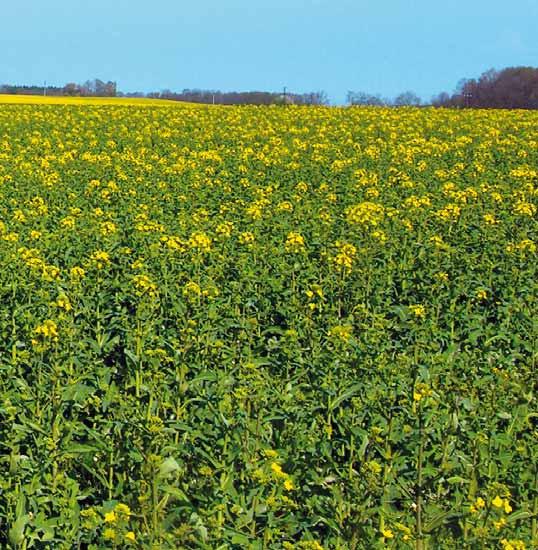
(382, 46)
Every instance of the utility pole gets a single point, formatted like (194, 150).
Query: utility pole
(285, 96)
(45, 88)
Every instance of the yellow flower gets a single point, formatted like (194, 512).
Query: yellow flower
(130, 536)
(381, 236)
(294, 242)
(421, 390)
(288, 485)
(68, 222)
(109, 534)
(108, 228)
(450, 212)
(481, 294)
(270, 453)
(418, 311)
(144, 285)
(48, 329)
(110, 517)
(480, 503)
(524, 208)
(365, 213)
(191, 290)
(100, 258)
(277, 470)
(200, 242)
(497, 502)
(63, 303)
(405, 530)
(285, 206)
(523, 246)
(514, 544)
(341, 332)
(225, 229)
(388, 534)
(77, 272)
(123, 509)
(246, 238)
(374, 467)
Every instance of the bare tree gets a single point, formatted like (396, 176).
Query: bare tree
(510, 88)
(407, 98)
(71, 89)
(364, 98)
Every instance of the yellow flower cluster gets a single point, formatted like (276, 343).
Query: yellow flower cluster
(450, 213)
(513, 544)
(280, 474)
(200, 242)
(503, 503)
(418, 310)
(100, 259)
(341, 333)
(117, 521)
(365, 213)
(294, 242)
(144, 286)
(345, 256)
(48, 330)
(421, 391)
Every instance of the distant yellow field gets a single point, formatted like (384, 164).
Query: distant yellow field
(60, 100)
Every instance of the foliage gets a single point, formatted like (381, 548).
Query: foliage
(510, 88)
(267, 328)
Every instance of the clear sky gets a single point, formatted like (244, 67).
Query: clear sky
(378, 46)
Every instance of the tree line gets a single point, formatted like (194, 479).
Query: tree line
(90, 88)
(243, 98)
(100, 88)
(509, 88)
(408, 98)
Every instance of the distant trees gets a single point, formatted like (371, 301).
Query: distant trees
(94, 87)
(510, 88)
(407, 98)
(98, 88)
(71, 89)
(17, 89)
(364, 98)
(242, 98)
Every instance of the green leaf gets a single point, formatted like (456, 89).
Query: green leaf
(168, 467)
(519, 515)
(346, 395)
(16, 533)
(457, 479)
(438, 520)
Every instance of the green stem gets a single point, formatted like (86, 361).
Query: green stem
(419, 543)
(534, 523)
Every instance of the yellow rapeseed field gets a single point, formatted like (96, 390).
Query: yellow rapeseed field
(22, 99)
(267, 327)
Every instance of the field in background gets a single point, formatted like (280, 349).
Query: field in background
(285, 328)
(63, 100)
